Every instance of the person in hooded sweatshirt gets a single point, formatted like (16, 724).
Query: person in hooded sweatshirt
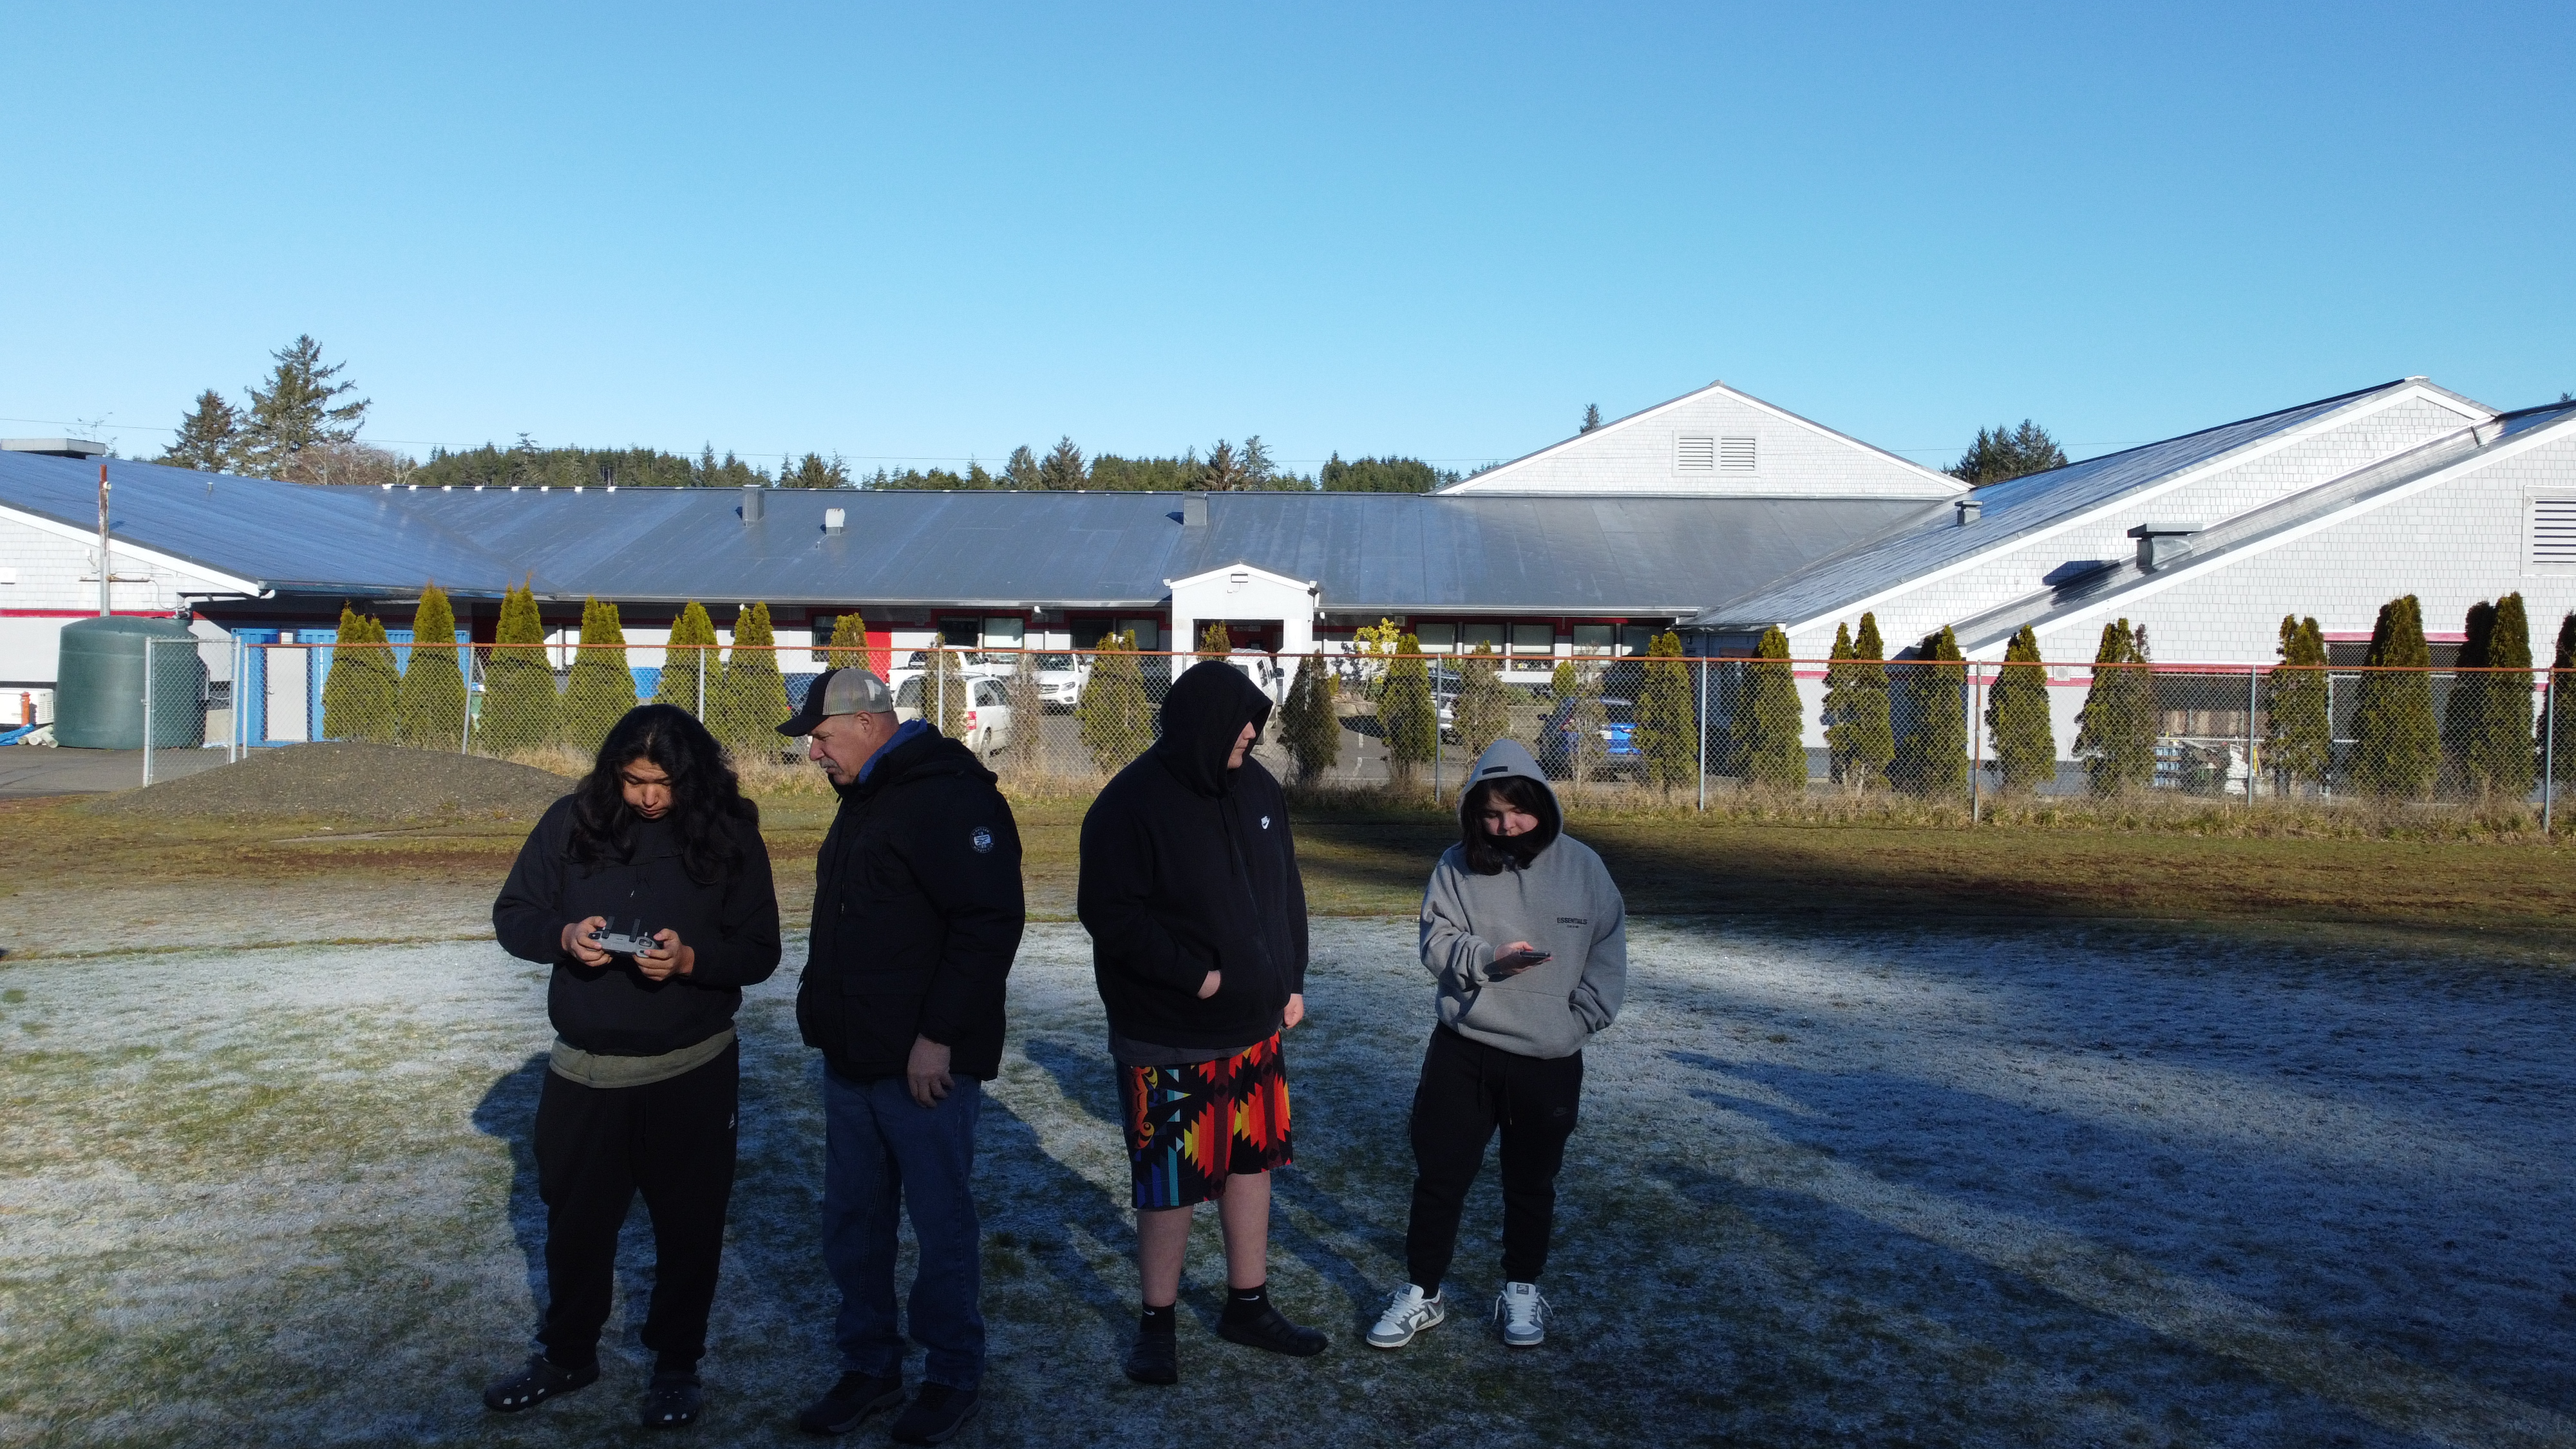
(656, 842)
(1527, 938)
(1198, 928)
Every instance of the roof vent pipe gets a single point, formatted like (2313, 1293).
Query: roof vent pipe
(1970, 510)
(752, 502)
(2160, 548)
(1193, 510)
(835, 519)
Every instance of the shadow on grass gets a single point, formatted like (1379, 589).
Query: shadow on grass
(508, 1112)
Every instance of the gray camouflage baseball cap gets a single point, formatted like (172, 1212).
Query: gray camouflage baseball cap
(839, 691)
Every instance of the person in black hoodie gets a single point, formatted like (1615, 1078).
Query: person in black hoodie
(1198, 928)
(657, 841)
(917, 914)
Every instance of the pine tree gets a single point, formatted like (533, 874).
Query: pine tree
(1115, 719)
(1020, 471)
(2017, 717)
(1859, 735)
(358, 692)
(1404, 709)
(295, 411)
(2116, 731)
(1484, 707)
(1765, 742)
(2486, 725)
(602, 687)
(520, 705)
(1591, 417)
(432, 697)
(2396, 750)
(754, 693)
(2298, 742)
(1932, 748)
(1062, 470)
(1308, 725)
(687, 659)
(848, 646)
(2003, 453)
(209, 439)
(1216, 641)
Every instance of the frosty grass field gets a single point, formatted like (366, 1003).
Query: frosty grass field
(2032, 1185)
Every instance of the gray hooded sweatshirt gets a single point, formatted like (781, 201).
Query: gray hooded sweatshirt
(1562, 902)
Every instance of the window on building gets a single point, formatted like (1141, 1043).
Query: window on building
(1735, 455)
(1148, 632)
(1593, 638)
(961, 633)
(1695, 455)
(1533, 638)
(1436, 638)
(1635, 639)
(1004, 633)
(1488, 635)
(2553, 531)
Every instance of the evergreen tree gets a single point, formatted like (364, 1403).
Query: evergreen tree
(689, 658)
(1767, 738)
(1583, 719)
(1215, 641)
(209, 439)
(2298, 740)
(520, 706)
(1858, 732)
(2396, 750)
(1483, 711)
(946, 693)
(815, 471)
(358, 692)
(754, 694)
(1591, 417)
(2017, 717)
(1381, 475)
(2559, 737)
(1020, 472)
(2486, 725)
(848, 646)
(1308, 725)
(1115, 718)
(1404, 710)
(1061, 470)
(295, 411)
(2006, 452)
(432, 698)
(602, 687)
(1932, 748)
(2116, 731)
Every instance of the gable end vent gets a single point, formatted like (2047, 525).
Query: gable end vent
(2553, 531)
(1695, 455)
(1735, 455)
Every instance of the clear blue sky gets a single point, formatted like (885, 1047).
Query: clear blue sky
(925, 232)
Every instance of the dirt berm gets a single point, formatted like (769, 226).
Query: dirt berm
(350, 782)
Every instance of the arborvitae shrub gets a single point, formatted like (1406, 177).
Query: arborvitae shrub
(520, 706)
(754, 693)
(2017, 717)
(1932, 734)
(358, 692)
(2298, 737)
(2557, 739)
(432, 699)
(1404, 708)
(602, 687)
(1859, 735)
(2486, 725)
(1308, 726)
(689, 668)
(1484, 707)
(1115, 719)
(2116, 732)
(1215, 641)
(1665, 734)
(1766, 739)
(946, 693)
(2396, 752)
(848, 646)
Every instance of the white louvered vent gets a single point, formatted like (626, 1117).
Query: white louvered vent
(2553, 531)
(1695, 455)
(1735, 455)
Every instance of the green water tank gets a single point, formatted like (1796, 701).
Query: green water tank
(98, 685)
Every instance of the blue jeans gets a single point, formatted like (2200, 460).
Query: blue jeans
(878, 1145)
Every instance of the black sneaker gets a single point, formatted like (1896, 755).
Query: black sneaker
(539, 1381)
(1268, 1329)
(847, 1402)
(937, 1413)
(673, 1400)
(1155, 1359)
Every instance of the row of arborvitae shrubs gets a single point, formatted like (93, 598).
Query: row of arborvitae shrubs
(421, 701)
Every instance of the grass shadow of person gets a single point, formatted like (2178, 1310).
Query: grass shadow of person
(508, 1112)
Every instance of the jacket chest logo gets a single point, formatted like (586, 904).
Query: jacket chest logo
(1572, 921)
(981, 839)
(1265, 822)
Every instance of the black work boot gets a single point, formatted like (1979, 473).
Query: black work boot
(849, 1401)
(541, 1380)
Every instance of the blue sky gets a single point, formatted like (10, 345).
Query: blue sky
(929, 232)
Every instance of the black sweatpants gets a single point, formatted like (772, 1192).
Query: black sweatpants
(1467, 1090)
(596, 1148)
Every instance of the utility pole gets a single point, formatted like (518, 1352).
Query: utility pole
(102, 541)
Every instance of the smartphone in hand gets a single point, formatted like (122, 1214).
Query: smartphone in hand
(1516, 963)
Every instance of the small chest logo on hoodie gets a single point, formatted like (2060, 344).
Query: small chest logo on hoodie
(1572, 921)
(981, 839)
(1265, 822)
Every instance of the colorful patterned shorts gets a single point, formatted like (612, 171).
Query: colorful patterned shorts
(1191, 1127)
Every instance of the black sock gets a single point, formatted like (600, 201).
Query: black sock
(1242, 1303)
(1164, 1320)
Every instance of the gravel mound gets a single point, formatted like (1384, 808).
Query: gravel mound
(350, 782)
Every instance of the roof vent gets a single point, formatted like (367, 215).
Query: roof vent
(1970, 510)
(1695, 455)
(752, 502)
(835, 519)
(2161, 548)
(54, 447)
(1193, 510)
(1736, 455)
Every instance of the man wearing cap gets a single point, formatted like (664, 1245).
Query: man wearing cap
(917, 914)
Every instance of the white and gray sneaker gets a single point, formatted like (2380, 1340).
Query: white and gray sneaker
(1408, 1312)
(1523, 1314)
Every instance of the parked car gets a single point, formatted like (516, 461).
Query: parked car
(1558, 751)
(986, 725)
(1060, 680)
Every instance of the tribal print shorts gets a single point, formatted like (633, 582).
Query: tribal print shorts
(1191, 1127)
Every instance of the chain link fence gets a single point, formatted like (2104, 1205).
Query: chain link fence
(1652, 730)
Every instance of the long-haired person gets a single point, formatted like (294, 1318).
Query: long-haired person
(1527, 937)
(656, 841)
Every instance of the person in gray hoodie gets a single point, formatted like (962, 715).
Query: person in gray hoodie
(1527, 937)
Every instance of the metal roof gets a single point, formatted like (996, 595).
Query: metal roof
(2010, 510)
(1393, 553)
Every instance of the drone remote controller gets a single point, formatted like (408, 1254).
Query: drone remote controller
(634, 943)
